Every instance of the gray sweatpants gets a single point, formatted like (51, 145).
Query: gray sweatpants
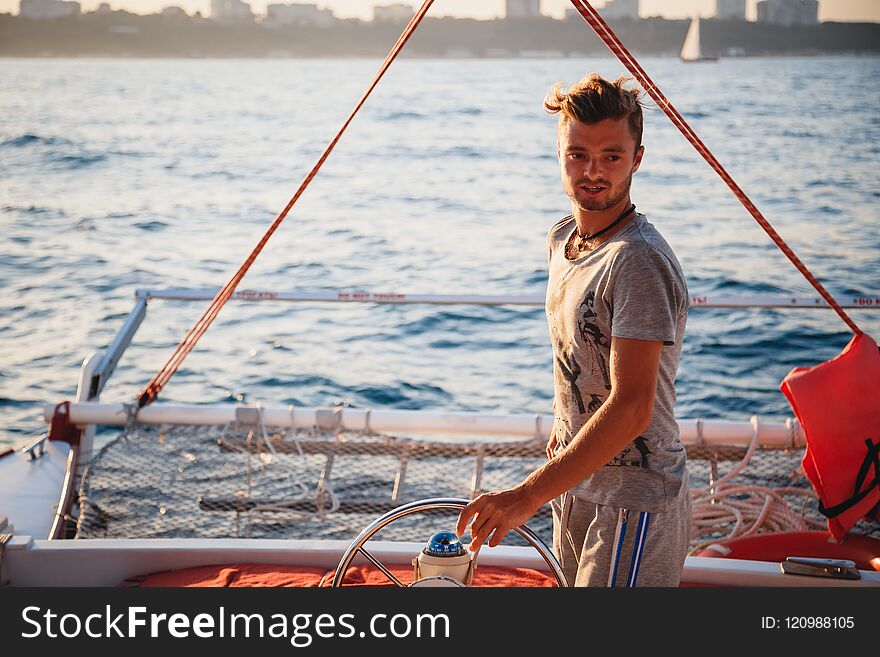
(607, 546)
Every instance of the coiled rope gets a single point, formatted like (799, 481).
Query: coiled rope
(732, 510)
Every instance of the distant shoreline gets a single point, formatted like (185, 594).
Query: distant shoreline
(120, 34)
(609, 56)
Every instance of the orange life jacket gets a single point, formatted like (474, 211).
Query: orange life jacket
(838, 406)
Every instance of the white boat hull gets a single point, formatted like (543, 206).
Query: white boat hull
(108, 562)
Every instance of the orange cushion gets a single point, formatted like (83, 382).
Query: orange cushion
(777, 546)
(490, 576)
(235, 575)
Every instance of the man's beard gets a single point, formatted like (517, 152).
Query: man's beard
(612, 200)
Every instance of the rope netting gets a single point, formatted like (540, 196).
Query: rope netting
(238, 481)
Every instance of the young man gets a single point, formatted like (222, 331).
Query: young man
(617, 305)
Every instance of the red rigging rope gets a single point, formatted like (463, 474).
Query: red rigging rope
(616, 46)
(151, 391)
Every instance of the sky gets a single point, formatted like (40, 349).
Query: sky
(841, 10)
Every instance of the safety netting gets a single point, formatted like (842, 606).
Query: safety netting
(239, 481)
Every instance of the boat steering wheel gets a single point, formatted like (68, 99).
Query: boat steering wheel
(430, 505)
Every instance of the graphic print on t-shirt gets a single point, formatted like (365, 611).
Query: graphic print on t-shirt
(570, 369)
(594, 339)
(629, 457)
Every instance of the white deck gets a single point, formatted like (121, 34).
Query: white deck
(31, 490)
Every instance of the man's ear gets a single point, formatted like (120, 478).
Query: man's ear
(637, 161)
(558, 150)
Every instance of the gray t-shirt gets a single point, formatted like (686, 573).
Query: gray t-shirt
(631, 286)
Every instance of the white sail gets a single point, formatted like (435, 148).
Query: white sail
(690, 51)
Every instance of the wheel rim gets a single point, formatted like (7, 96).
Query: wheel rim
(430, 505)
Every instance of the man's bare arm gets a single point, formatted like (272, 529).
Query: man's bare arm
(620, 420)
(624, 415)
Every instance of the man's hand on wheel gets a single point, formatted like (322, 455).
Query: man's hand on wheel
(494, 514)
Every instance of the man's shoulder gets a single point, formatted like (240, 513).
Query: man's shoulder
(647, 251)
(560, 228)
(646, 242)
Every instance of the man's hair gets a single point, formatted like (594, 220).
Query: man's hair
(594, 99)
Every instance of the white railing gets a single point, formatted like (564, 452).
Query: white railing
(783, 435)
(349, 296)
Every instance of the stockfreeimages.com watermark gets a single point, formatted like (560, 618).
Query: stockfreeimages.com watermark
(300, 629)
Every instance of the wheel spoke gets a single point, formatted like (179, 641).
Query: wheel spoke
(373, 560)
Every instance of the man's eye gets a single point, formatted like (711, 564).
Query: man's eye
(614, 158)
(575, 156)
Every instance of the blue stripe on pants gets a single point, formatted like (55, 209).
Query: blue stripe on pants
(638, 548)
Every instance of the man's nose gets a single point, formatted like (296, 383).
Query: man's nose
(591, 166)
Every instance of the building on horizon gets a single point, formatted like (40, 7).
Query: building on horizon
(789, 12)
(618, 9)
(730, 10)
(231, 11)
(48, 9)
(173, 12)
(522, 9)
(397, 13)
(298, 14)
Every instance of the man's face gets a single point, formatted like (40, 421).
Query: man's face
(597, 162)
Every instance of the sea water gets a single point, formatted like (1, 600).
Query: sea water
(121, 174)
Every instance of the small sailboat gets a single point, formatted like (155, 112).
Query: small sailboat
(690, 51)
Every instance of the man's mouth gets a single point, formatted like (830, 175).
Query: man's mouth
(593, 189)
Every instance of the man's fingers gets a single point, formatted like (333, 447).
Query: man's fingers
(466, 514)
(464, 517)
(485, 515)
(487, 526)
(498, 534)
